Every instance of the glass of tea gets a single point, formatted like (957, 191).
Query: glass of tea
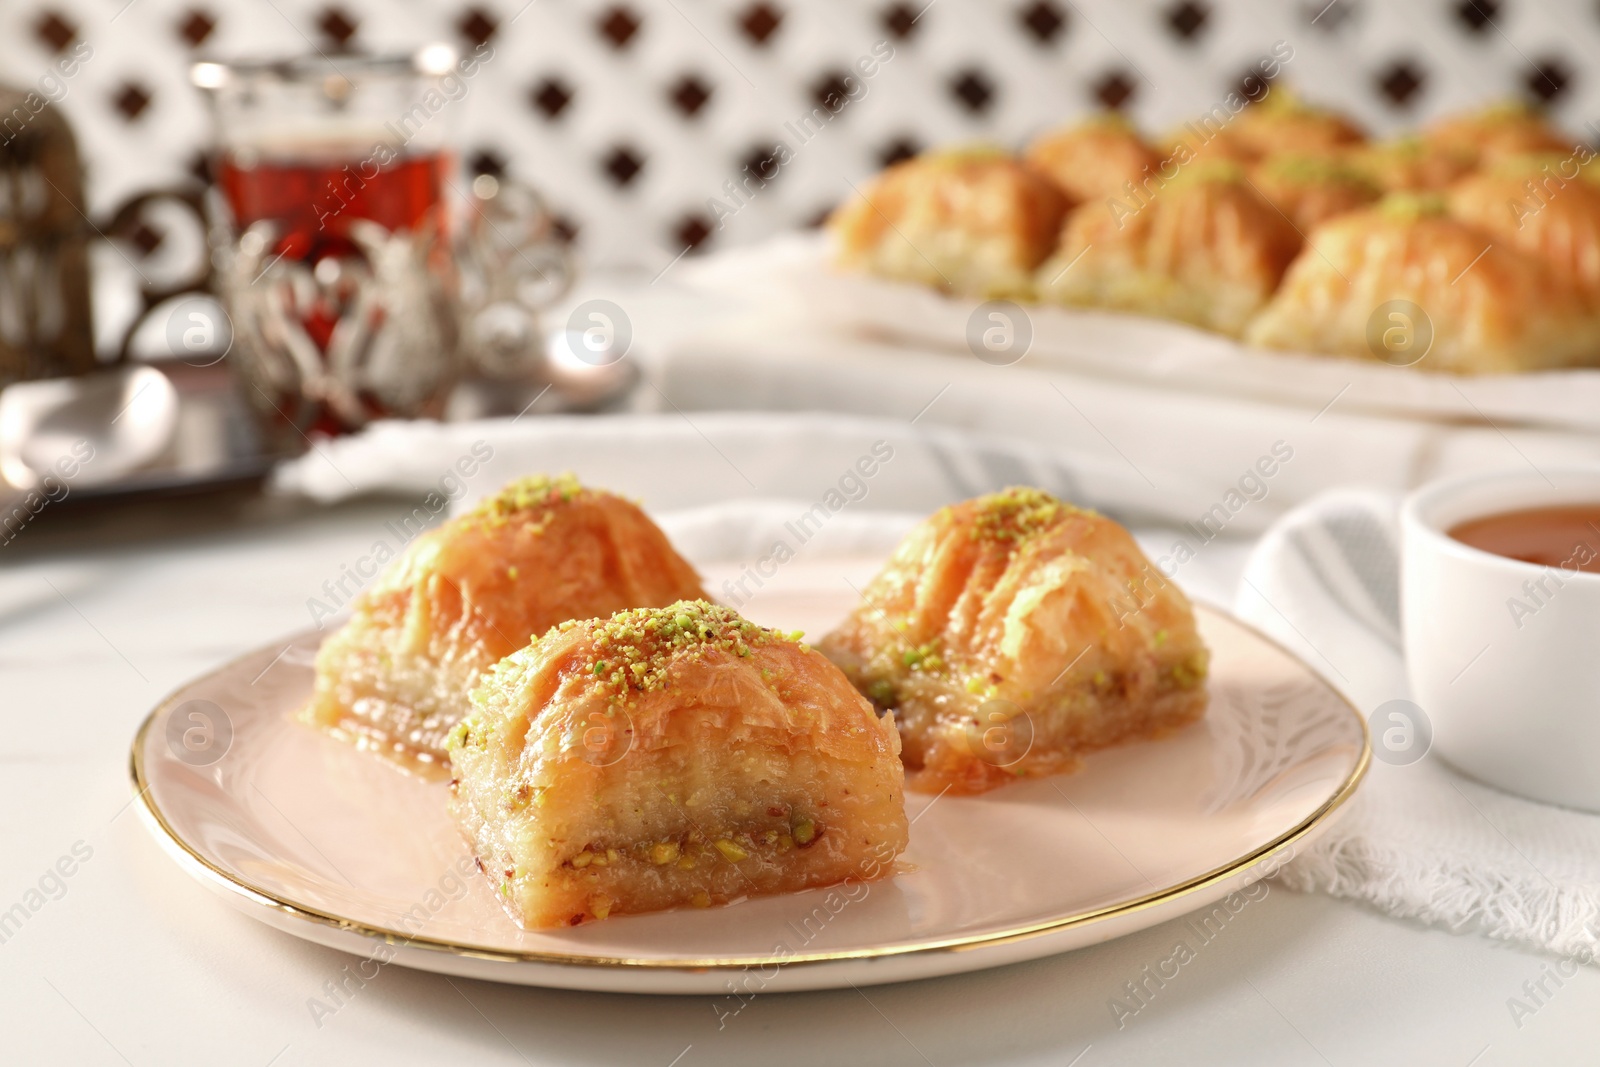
(333, 238)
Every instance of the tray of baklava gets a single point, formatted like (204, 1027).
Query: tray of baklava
(1273, 250)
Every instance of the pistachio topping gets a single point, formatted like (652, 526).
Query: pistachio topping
(1316, 170)
(1017, 514)
(1409, 207)
(533, 491)
(634, 648)
(1208, 172)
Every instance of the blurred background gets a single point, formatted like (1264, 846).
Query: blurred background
(646, 137)
(630, 116)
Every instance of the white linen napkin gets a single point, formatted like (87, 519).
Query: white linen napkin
(676, 460)
(1421, 841)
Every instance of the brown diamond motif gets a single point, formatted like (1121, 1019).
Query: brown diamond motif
(900, 20)
(1187, 19)
(689, 94)
(759, 22)
(487, 161)
(1252, 85)
(832, 89)
(973, 88)
(477, 25)
(1476, 15)
(55, 31)
(762, 163)
(1548, 79)
(1400, 82)
(1113, 89)
(565, 228)
(337, 27)
(131, 100)
(898, 150)
(1043, 20)
(623, 165)
(618, 25)
(692, 231)
(195, 27)
(818, 218)
(551, 96)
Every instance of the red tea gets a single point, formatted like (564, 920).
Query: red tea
(314, 201)
(1565, 536)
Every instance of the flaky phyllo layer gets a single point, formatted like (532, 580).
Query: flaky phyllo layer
(466, 594)
(1013, 633)
(676, 756)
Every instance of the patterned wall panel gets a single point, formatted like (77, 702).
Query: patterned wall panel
(634, 115)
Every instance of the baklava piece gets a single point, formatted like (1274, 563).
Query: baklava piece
(1545, 206)
(1468, 303)
(1310, 190)
(1510, 129)
(1204, 248)
(669, 757)
(1095, 159)
(1410, 164)
(1012, 634)
(971, 221)
(395, 678)
(1281, 123)
(1277, 124)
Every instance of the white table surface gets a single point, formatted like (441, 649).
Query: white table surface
(137, 964)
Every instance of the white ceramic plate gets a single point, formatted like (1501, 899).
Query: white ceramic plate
(337, 846)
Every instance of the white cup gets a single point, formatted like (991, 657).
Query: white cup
(1504, 656)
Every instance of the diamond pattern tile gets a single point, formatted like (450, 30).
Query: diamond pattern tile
(1187, 19)
(689, 94)
(618, 25)
(759, 22)
(54, 31)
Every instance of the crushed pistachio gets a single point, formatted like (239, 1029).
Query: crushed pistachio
(1017, 514)
(1409, 207)
(731, 851)
(633, 649)
(702, 899)
(533, 491)
(805, 831)
(1192, 671)
(663, 852)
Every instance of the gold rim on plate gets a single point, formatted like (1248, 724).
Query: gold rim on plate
(257, 895)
